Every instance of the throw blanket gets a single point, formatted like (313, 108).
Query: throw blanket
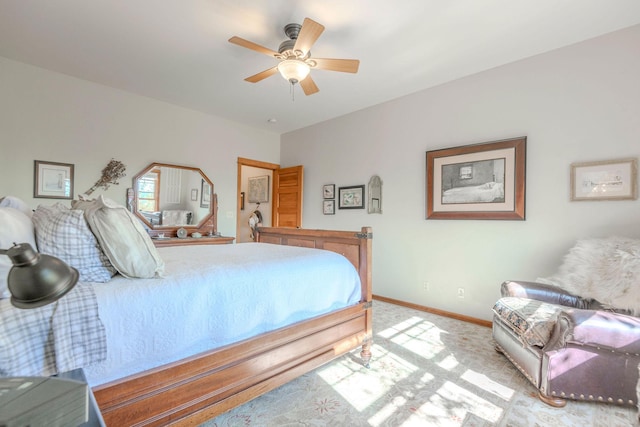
(607, 270)
(71, 329)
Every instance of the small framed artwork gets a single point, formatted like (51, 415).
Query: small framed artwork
(480, 181)
(259, 189)
(242, 201)
(351, 197)
(194, 194)
(605, 180)
(329, 207)
(205, 194)
(53, 180)
(328, 191)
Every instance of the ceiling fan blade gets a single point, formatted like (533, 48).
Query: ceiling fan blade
(308, 35)
(253, 46)
(344, 65)
(309, 86)
(262, 75)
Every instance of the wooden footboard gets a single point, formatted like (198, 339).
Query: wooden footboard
(193, 390)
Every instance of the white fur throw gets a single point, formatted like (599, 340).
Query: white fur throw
(607, 270)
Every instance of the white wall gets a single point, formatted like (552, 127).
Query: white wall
(54, 117)
(579, 103)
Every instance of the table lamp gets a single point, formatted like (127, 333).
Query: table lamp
(37, 279)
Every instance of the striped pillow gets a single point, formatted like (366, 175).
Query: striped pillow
(64, 233)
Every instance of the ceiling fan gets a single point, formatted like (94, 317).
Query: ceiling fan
(295, 56)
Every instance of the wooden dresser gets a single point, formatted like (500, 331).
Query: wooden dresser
(204, 240)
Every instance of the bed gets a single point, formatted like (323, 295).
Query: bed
(203, 379)
(484, 193)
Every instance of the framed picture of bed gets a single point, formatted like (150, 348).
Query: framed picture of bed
(479, 181)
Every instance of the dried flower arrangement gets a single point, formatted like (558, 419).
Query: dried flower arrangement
(110, 175)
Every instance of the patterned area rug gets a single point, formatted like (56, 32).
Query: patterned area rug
(426, 370)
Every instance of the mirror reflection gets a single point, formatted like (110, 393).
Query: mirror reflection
(170, 196)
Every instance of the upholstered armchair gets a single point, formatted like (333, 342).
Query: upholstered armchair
(572, 346)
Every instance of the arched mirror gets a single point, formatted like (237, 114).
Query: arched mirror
(168, 197)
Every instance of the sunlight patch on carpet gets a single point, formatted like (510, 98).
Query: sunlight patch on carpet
(449, 363)
(387, 411)
(416, 335)
(451, 406)
(482, 381)
(363, 387)
(399, 327)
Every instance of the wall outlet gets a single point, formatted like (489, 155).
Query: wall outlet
(460, 292)
(425, 285)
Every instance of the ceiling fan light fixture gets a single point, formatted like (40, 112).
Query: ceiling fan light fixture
(294, 70)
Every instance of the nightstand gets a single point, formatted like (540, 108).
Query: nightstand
(95, 418)
(60, 400)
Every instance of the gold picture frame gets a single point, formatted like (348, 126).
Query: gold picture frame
(605, 180)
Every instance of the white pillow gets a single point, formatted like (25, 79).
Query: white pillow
(14, 202)
(122, 237)
(15, 227)
(64, 233)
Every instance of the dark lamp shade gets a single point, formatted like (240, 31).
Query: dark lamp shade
(37, 279)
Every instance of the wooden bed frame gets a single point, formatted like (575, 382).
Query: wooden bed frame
(196, 389)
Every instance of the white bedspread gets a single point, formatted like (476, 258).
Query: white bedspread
(213, 295)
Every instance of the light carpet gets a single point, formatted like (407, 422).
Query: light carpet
(426, 370)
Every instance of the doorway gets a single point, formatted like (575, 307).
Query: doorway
(284, 206)
(254, 169)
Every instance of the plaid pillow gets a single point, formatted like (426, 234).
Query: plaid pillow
(64, 233)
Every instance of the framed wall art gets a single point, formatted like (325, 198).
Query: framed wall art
(52, 180)
(258, 189)
(480, 181)
(351, 197)
(329, 207)
(205, 194)
(328, 191)
(605, 180)
(375, 195)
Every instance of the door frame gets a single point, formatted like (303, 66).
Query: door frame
(256, 164)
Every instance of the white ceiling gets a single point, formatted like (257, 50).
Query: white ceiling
(177, 50)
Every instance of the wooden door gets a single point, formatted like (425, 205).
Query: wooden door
(287, 197)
